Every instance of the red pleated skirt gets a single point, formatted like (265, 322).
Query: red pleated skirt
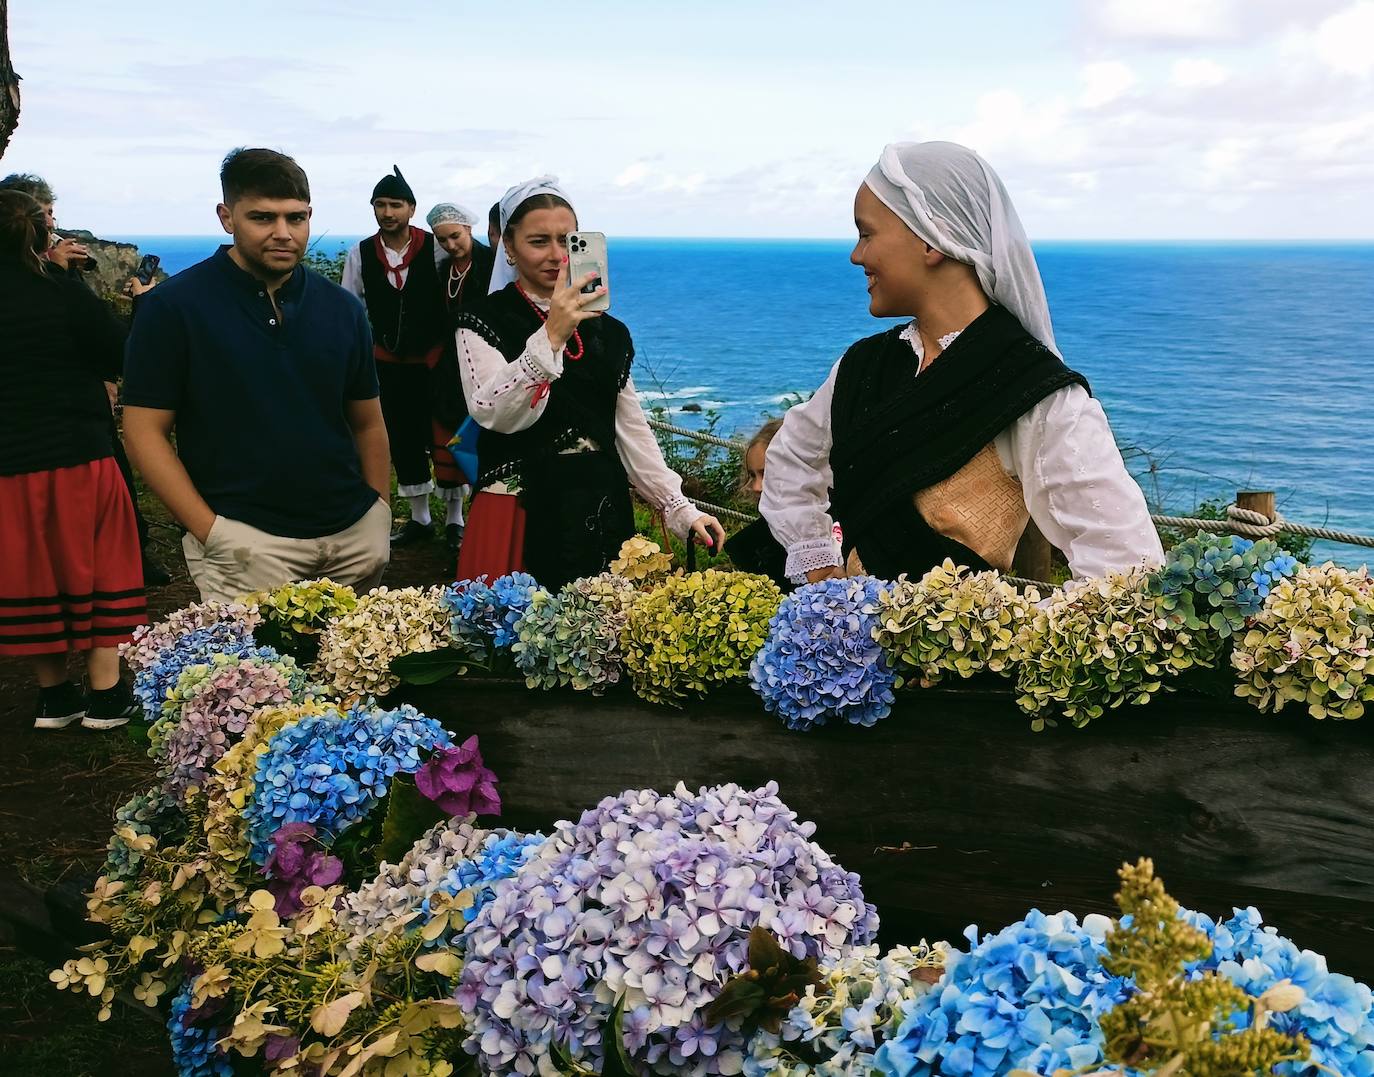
(494, 540)
(71, 576)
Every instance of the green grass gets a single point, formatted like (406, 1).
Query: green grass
(45, 1032)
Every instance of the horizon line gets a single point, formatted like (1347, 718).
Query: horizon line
(1166, 240)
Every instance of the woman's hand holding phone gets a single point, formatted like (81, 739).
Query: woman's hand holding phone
(565, 307)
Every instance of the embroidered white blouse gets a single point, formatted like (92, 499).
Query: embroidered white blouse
(1076, 486)
(505, 396)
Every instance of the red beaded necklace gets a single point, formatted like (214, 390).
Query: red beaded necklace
(544, 317)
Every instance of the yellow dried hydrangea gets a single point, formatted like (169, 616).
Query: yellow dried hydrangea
(1095, 647)
(641, 560)
(357, 648)
(951, 621)
(1311, 644)
(697, 631)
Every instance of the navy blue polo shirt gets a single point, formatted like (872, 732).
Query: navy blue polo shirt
(260, 400)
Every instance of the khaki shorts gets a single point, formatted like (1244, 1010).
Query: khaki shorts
(236, 559)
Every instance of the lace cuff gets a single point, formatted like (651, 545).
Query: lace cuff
(537, 362)
(680, 514)
(804, 557)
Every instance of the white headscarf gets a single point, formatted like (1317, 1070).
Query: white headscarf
(952, 199)
(503, 272)
(450, 213)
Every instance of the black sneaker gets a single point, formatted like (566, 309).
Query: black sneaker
(410, 532)
(453, 538)
(110, 708)
(59, 706)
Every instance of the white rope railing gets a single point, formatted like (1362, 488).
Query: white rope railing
(1244, 522)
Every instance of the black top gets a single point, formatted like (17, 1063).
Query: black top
(407, 322)
(896, 434)
(581, 402)
(472, 293)
(60, 342)
(260, 400)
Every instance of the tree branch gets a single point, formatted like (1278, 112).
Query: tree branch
(9, 83)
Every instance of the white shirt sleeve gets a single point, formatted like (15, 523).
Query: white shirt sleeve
(506, 396)
(796, 485)
(1076, 485)
(352, 280)
(643, 459)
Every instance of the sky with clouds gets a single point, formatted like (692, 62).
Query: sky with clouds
(1135, 119)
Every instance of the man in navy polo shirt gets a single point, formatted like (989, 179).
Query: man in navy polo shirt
(264, 370)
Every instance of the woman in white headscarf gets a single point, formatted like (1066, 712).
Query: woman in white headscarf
(941, 438)
(467, 266)
(549, 383)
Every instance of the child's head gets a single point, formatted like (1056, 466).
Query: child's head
(751, 469)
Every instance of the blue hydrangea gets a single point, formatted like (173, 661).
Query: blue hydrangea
(1335, 1017)
(484, 615)
(1028, 997)
(821, 660)
(154, 681)
(1031, 997)
(1219, 582)
(499, 858)
(193, 1047)
(328, 770)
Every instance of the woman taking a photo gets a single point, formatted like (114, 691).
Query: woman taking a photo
(549, 383)
(71, 575)
(941, 438)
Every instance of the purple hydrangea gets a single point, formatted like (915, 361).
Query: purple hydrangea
(458, 782)
(158, 658)
(211, 706)
(821, 660)
(649, 898)
(298, 860)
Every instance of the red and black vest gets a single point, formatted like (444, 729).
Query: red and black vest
(409, 322)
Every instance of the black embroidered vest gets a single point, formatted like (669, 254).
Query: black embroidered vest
(895, 433)
(407, 322)
(581, 402)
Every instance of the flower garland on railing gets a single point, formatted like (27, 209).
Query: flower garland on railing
(693, 932)
(308, 885)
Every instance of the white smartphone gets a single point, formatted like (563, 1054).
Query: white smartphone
(587, 254)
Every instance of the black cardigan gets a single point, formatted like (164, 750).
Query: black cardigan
(58, 343)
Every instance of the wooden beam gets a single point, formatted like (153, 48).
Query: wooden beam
(9, 83)
(1261, 501)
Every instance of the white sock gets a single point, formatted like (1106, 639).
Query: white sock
(419, 509)
(453, 505)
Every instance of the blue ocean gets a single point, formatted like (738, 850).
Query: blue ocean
(1222, 367)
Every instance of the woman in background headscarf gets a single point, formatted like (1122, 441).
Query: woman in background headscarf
(941, 438)
(466, 269)
(464, 276)
(549, 383)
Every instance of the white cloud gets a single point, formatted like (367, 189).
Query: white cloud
(1167, 20)
(1197, 73)
(633, 175)
(1345, 41)
(1104, 82)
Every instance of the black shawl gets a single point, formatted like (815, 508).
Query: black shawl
(895, 434)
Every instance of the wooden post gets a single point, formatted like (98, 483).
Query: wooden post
(9, 83)
(1261, 501)
(1033, 559)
